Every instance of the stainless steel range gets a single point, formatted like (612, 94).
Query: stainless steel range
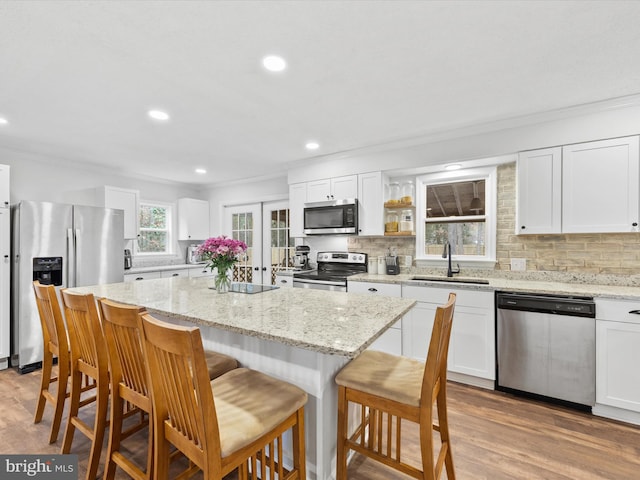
(332, 272)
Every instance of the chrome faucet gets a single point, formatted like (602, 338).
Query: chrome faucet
(447, 254)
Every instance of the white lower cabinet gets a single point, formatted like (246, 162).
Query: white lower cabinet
(284, 281)
(132, 277)
(618, 359)
(391, 340)
(184, 272)
(200, 272)
(472, 346)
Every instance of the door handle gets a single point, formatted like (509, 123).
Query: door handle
(264, 269)
(256, 268)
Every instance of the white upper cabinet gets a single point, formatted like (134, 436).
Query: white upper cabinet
(332, 189)
(4, 186)
(600, 191)
(193, 219)
(123, 199)
(297, 199)
(370, 200)
(539, 183)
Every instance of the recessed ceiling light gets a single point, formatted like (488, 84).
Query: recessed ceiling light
(4, 121)
(312, 146)
(453, 166)
(274, 63)
(201, 171)
(158, 115)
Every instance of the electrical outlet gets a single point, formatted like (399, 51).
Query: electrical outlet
(518, 264)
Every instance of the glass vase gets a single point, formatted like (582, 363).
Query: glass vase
(222, 281)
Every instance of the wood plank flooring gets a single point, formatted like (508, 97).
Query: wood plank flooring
(495, 436)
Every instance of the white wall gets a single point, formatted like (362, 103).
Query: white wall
(577, 124)
(51, 180)
(242, 193)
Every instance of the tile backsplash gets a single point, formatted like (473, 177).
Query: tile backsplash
(605, 253)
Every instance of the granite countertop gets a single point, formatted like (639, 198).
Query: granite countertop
(534, 284)
(327, 322)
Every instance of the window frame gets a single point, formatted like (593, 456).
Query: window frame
(489, 175)
(170, 208)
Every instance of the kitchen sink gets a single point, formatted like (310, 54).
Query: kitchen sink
(475, 281)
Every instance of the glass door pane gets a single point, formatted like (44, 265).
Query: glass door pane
(278, 248)
(244, 223)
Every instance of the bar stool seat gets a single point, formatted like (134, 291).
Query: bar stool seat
(219, 363)
(244, 390)
(385, 375)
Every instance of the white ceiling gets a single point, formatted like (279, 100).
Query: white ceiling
(77, 78)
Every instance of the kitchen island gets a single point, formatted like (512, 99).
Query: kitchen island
(302, 336)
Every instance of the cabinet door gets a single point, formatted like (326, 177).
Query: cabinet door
(319, 190)
(370, 204)
(472, 344)
(193, 219)
(5, 265)
(4, 186)
(617, 361)
(297, 199)
(539, 180)
(126, 200)
(417, 325)
(600, 191)
(344, 187)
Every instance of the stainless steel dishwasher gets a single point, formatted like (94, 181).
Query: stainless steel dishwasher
(546, 346)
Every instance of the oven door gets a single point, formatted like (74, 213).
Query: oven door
(319, 285)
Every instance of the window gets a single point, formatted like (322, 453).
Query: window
(458, 208)
(155, 229)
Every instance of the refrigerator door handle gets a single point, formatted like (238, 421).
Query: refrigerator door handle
(71, 258)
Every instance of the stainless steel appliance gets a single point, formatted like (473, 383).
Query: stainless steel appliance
(331, 218)
(332, 272)
(546, 346)
(193, 256)
(301, 257)
(62, 245)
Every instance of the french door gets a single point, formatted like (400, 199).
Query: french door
(264, 227)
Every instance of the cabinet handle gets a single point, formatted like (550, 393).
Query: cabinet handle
(373, 290)
(140, 278)
(634, 224)
(523, 227)
(283, 281)
(175, 275)
(635, 312)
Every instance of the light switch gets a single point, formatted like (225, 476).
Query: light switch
(518, 264)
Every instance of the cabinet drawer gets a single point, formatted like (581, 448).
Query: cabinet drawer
(284, 281)
(439, 295)
(388, 289)
(131, 277)
(175, 273)
(618, 310)
(199, 272)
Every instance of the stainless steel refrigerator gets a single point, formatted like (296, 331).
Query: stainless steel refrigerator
(62, 245)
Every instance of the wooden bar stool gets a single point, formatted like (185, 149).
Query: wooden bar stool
(234, 421)
(89, 358)
(389, 388)
(56, 344)
(54, 334)
(129, 382)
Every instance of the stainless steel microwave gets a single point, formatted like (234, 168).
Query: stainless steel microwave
(334, 217)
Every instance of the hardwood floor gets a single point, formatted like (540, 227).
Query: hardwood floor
(495, 436)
